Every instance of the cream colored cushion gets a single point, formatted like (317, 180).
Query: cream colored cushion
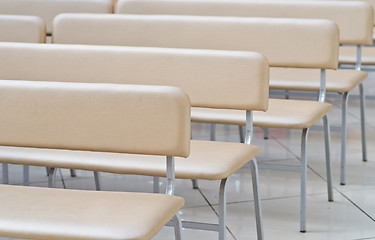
(343, 80)
(195, 71)
(356, 29)
(207, 160)
(41, 213)
(348, 55)
(274, 38)
(22, 29)
(95, 117)
(294, 114)
(48, 9)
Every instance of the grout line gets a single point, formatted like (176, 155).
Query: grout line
(347, 198)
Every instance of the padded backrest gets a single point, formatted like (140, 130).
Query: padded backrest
(217, 79)
(29, 29)
(48, 9)
(354, 19)
(285, 42)
(95, 117)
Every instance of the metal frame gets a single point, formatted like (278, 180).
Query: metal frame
(344, 110)
(303, 167)
(221, 227)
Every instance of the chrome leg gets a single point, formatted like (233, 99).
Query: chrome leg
(73, 173)
(303, 179)
(5, 173)
(222, 209)
(156, 185)
(177, 226)
(98, 182)
(286, 94)
(265, 131)
(344, 110)
(52, 177)
(195, 183)
(363, 122)
(327, 141)
(26, 175)
(257, 204)
(242, 137)
(212, 131)
(47, 170)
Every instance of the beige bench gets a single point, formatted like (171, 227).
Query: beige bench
(241, 77)
(48, 9)
(38, 116)
(19, 28)
(22, 29)
(240, 34)
(354, 30)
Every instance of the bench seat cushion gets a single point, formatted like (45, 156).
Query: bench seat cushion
(45, 213)
(348, 55)
(207, 160)
(281, 113)
(342, 80)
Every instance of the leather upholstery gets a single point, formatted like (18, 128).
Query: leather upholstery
(294, 114)
(29, 29)
(348, 55)
(195, 71)
(343, 80)
(48, 9)
(356, 29)
(276, 38)
(95, 117)
(207, 160)
(41, 213)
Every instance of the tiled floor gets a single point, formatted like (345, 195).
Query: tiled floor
(351, 216)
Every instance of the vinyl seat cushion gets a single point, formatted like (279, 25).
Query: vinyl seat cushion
(281, 113)
(298, 79)
(207, 160)
(348, 55)
(45, 213)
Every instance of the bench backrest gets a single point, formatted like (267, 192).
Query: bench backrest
(95, 117)
(48, 9)
(354, 18)
(217, 79)
(285, 42)
(29, 29)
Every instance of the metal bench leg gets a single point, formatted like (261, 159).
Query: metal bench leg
(98, 184)
(241, 130)
(344, 109)
(257, 204)
(156, 185)
(265, 132)
(26, 175)
(5, 173)
(212, 131)
(177, 224)
(73, 173)
(222, 209)
(303, 179)
(327, 141)
(52, 177)
(195, 183)
(363, 122)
